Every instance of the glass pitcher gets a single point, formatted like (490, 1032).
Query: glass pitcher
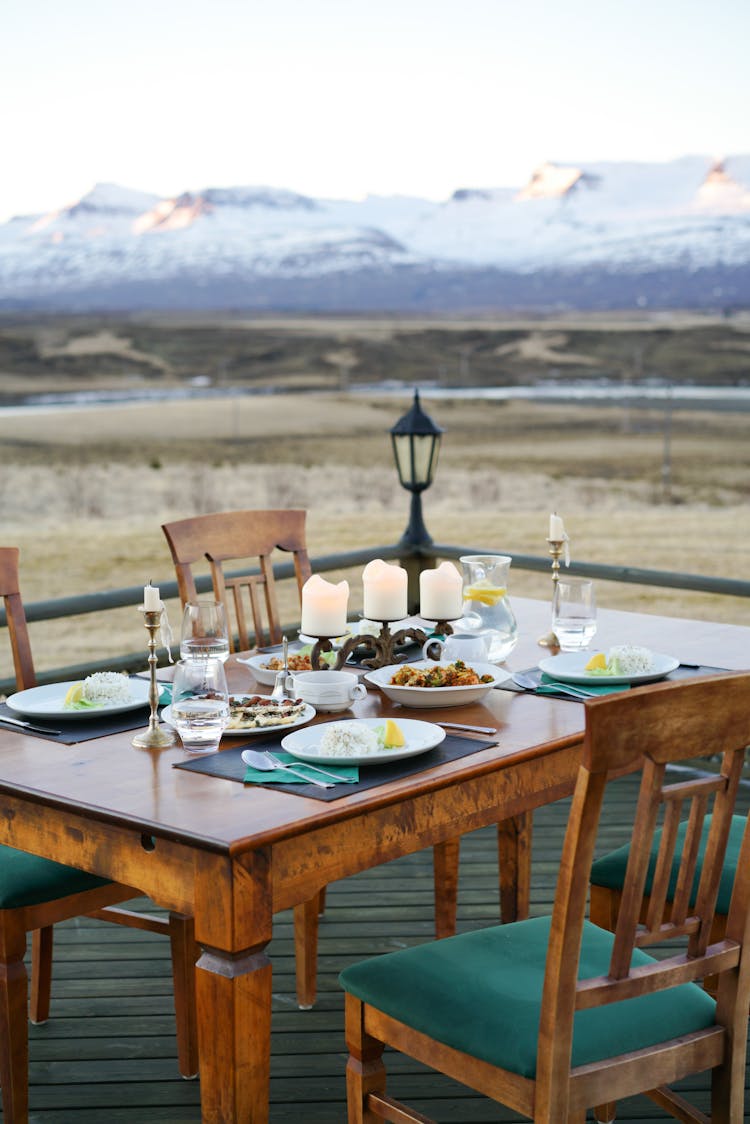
(487, 608)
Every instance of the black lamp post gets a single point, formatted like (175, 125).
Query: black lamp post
(416, 443)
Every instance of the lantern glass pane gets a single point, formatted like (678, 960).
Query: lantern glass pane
(423, 459)
(402, 455)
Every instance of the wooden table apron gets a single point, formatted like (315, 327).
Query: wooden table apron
(234, 856)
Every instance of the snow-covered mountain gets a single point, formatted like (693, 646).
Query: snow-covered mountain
(595, 235)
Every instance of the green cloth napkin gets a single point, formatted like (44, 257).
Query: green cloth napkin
(349, 774)
(548, 686)
(165, 694)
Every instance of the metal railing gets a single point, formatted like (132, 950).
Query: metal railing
(412, 559)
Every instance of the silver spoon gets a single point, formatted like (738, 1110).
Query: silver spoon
(257, 760)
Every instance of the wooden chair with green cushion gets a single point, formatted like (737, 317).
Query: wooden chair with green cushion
(552, 1016)
(36, 893)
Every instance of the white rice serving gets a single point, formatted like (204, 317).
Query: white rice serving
(348, 740)
(627, 659)
(106, 687)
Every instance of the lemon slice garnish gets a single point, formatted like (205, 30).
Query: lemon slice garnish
(74, 695)
(485, 593)
(597, 663)
(394, 735)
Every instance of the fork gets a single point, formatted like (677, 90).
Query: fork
(255, 758)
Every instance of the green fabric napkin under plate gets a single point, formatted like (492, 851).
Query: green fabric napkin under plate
(347, 773)
(548, 686)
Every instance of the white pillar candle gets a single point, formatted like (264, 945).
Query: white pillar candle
(151, 598)
(385, 591)
(324, 607)
(440, 593)
(556, 528)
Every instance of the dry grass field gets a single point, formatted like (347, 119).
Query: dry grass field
(83, 493)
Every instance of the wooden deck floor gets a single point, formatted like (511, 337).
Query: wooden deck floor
(107, 1054)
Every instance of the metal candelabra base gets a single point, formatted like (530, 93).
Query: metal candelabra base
(384, 645)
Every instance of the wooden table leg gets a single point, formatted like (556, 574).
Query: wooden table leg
(445, 872)
(233, 985)
(514, 866)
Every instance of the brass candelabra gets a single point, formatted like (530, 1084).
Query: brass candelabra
(156, 736)
(384, 645)
(556, 548)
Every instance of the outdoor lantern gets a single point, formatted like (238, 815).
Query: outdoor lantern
(416, 443)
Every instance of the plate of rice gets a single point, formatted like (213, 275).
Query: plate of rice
(623, 663)
(105, 692)
(359, 741)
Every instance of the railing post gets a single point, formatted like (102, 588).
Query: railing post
(414, 543)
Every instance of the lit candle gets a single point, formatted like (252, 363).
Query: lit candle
(440, 593)
(556, 528)
(151, 598)
(385, 591)
(324, 607)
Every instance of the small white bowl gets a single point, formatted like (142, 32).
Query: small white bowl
(436, 696)
(329, 691)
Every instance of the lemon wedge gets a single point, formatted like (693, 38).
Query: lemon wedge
(485, 593)
(597, 663)
(74, 695)
(394, 735)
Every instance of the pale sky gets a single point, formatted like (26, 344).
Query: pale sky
(342, 98)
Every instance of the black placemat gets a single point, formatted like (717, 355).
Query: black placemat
(228, 765)
(684, 671)
(74, 730)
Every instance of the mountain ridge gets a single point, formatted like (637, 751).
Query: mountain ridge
(578, 235)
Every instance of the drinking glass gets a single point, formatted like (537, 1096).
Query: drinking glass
(204, 631)
(574, 613)
(200, 703)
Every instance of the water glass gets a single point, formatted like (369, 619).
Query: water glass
(204, 631)
(200, 704)
(574, 613)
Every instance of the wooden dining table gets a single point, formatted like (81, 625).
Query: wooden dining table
(232, 855)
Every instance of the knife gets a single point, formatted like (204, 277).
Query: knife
(4, 720)
(471, 729)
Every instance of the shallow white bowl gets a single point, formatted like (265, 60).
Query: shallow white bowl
(435, 696)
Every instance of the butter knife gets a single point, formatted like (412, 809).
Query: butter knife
(6, 721)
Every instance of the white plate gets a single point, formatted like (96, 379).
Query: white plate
(420, 736)
(435, 696)
(47, 701)
(306, 716)
(569, 667)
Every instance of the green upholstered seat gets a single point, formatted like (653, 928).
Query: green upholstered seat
(480, 993)
(28, 880)
(609, 870)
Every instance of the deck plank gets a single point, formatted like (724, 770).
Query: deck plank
(108, 1051)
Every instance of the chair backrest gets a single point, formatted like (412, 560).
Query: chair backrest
(241, 536)
(649, 729)
(23, 663)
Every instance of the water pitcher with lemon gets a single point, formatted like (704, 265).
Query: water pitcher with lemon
(487, 608)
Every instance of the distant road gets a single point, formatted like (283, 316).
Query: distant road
(643, 395)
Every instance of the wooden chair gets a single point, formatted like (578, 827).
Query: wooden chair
(36, 893)
(532, 1014)
(240, 535)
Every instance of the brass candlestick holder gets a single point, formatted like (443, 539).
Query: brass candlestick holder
(156, 736)
(556, 548)
(384, 645)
